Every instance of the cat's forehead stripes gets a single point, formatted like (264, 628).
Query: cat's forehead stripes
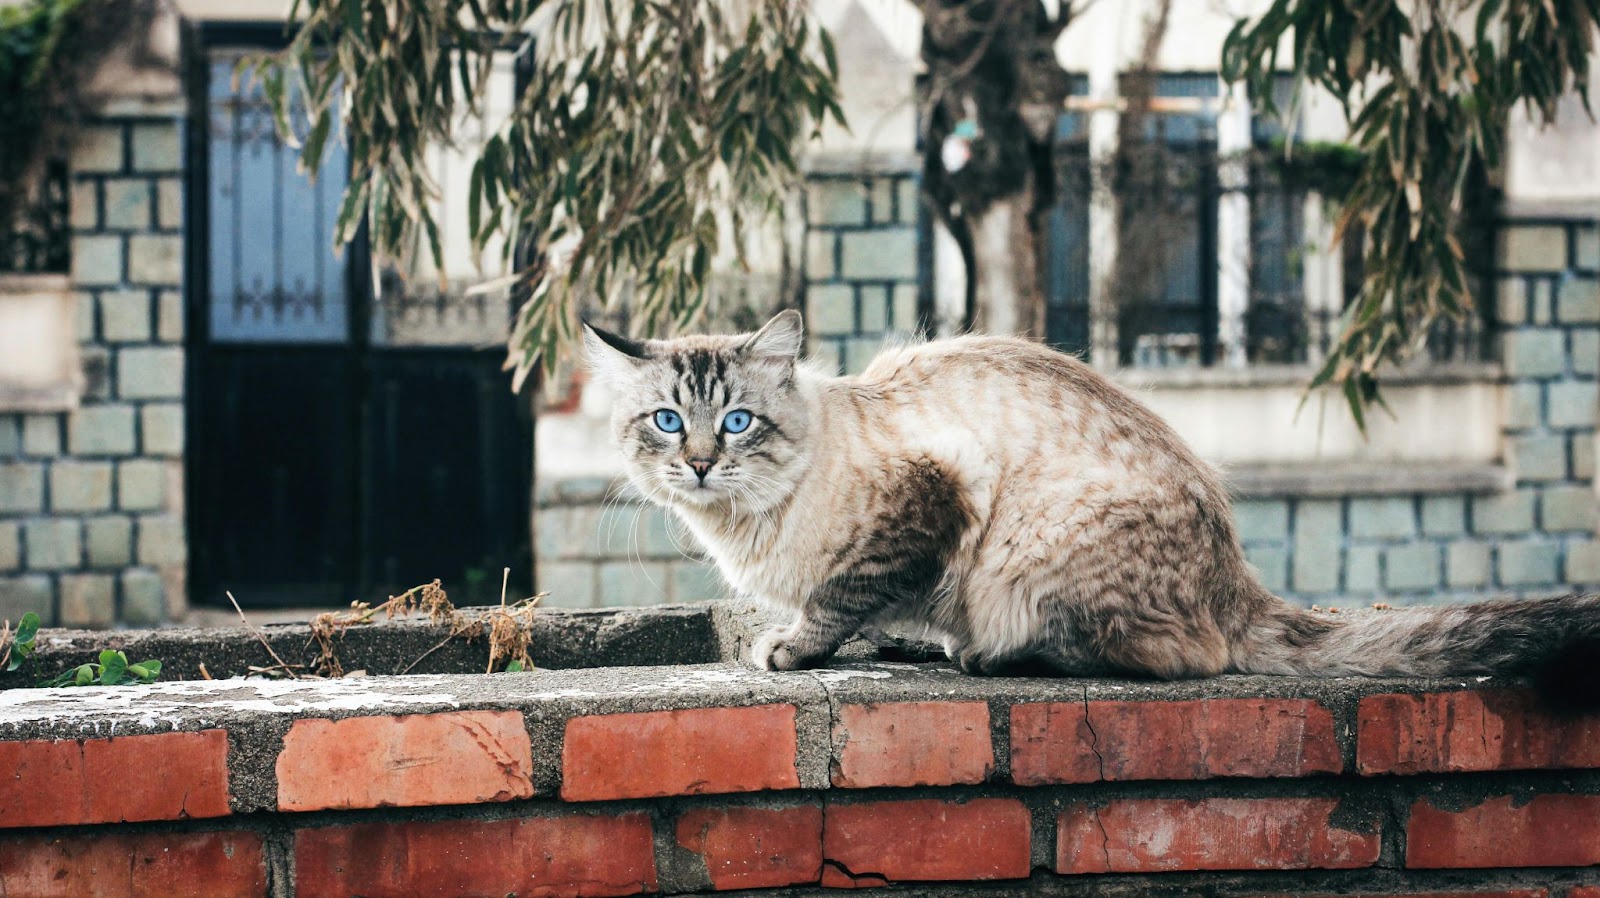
(701, 375)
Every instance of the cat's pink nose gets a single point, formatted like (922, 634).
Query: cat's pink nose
(702, 467)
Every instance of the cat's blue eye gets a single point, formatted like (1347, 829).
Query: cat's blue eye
(669, 421)
(736, 421)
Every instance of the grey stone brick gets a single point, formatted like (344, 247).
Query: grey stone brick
(820, 248)
(80, 486)
(1524, 405)
(10, 435)
(98, 149)
(141, 485)
(1466, 564)
(88, 600)
(1579, 302)
(162, 426)
(832, 309)
(1503, 513)
(829, 355)
(97, 260)
(905, 307)
(566, 531)
(1574, 403)
(21, 487)
(910, 199)
(169, 316)
(1583, 564)
(128, 204)
(1383, 518)
(101, 430)
(1533, 248)
(879, 255)
(52, 544)
(1444, 515)
(160, 540)
(696, 581)
(1262, 520)
(19, 595)
(109, 541)
(169, 204)
(96, 372)
(1541, 457)
(875, 309)
(1542, 301)
(150, 372)
(1317, 543)
(1361, 570)
(1411, 568)
(1581, 447)
(155, 259)
(125, 316)
(84, 304)
(627, 583)
(1528, 563)
(144, 597)
(859, 352)
(83, 205)
(569, 584)
(10, 545)
(41, 435)
(1535, 352)
(883, 201)
(1511, 301)
(1586, 351)
(836, 202)
(1588, 248)
(1568, 508)
(1271, 564)
(661, 536)
(157, 147)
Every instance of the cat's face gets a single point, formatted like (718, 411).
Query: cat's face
(708, 421)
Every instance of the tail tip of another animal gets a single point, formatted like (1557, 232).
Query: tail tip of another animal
(1570, 680)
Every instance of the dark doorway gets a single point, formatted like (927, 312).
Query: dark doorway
(347, 438)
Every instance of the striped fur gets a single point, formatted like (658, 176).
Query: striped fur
(1010, 500)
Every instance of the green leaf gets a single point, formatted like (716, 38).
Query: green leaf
(514, 666)
(27, 629)
(112, 666)
(84, 675)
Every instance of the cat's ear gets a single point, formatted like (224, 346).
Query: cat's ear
(780, 338)
(611, 355)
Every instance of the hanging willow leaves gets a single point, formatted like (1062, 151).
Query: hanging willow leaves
(1428, 89)
(646, 129)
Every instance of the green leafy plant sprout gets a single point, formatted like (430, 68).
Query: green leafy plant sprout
(112, 669)
(22, 644)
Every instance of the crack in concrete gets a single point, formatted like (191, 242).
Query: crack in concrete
(867, 876)
(1094, 737)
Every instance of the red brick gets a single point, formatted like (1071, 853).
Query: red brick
(912, 744)
(580, 854)
(462, 757)
(694, 752)
(1584, 892)
(899, 841)
(134, 865)
(1452, 732)
(163, 776)
(1258, 737)
(1547, 831)
(1155, 835)
(755, 848)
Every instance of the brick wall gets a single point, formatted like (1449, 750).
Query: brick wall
(861, 264)
(1537, 538)
(91, 501)
(679, 780)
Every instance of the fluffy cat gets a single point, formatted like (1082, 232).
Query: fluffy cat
(1011, 500)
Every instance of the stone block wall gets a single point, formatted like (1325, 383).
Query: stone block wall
(91, 501)
(861, 264)
(1536, 538)
(597, 545)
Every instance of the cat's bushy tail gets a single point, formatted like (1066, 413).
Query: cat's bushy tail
(1555, 641)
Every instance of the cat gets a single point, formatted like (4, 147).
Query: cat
(1012, 501)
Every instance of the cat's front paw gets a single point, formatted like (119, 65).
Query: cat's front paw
(774, 651)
